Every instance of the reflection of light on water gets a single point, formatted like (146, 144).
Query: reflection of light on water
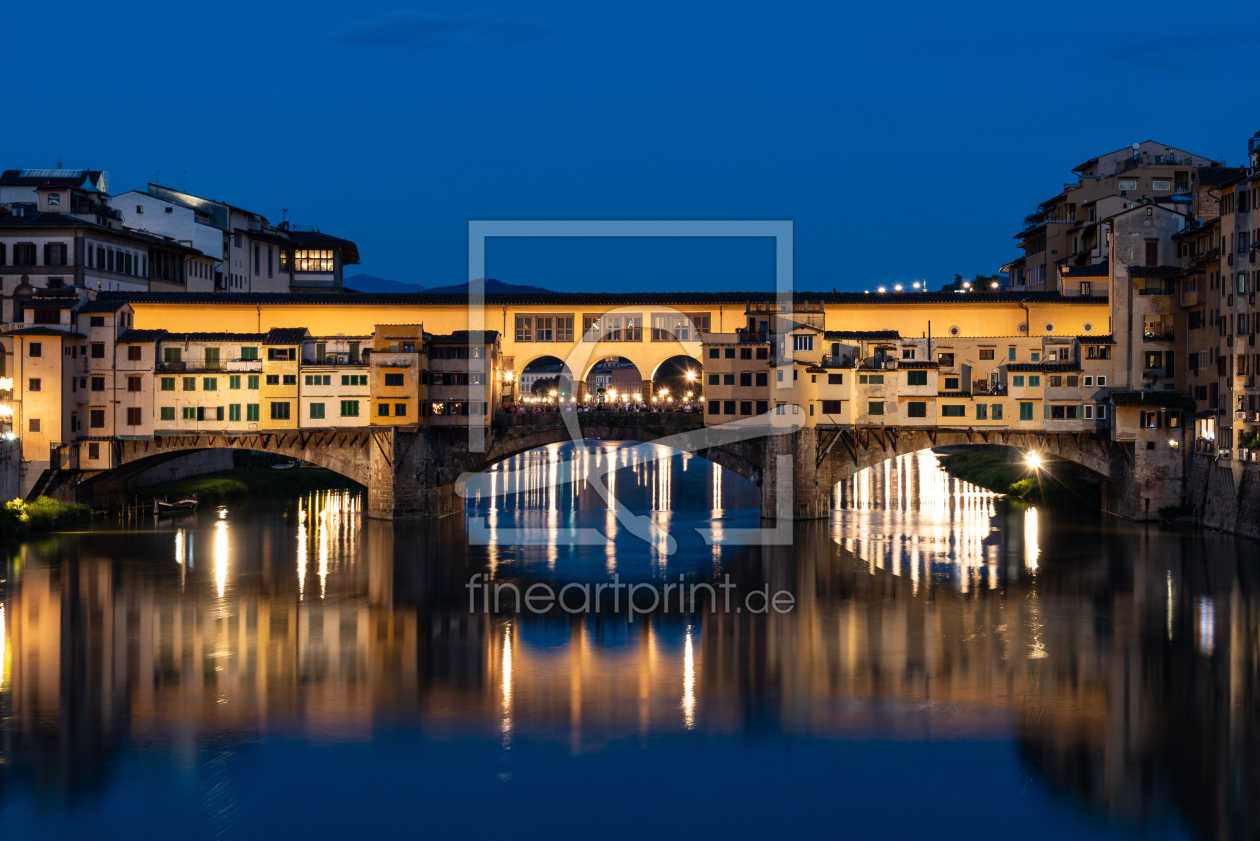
(507, 682)
(4, 647)
(1032, 546)
(689, 684)
(322, 548)
(908, 516)
(1168, 578)
(301, 551)
(1207, 625)
(220, 556)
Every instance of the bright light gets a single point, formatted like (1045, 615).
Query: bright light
(897, 288)
(553, 393)
(915, 284)
(6, 383)
(1033, 458)
(882, 290)
(1172, 443)
(6, 411)
(691, 375)
(507, 376)
(994, 284)
(966, 284)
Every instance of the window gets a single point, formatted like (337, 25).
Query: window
(279, 410)
(745, 379)
(35, 385)
(134, 353)
(946, 360)
(349, 409)
(134, 384)
(728, 407)
(36, 349)
(997, 411)
(168, 383)
(714, 353)
(382, 409)
(400, 409)
(715, 407)
(872, 379)
(916, 409)
(251, 381)
(34, 425)
(762, 407)
(745, 353)
(234, 412)
(251, 411)
(951, 383)
(394, 380)
(167, 413)
(47, 316)
(281, 353)
(54, 254)
(1025, 411)
(190, 383)
(273, 379)
(831, 407)
(133, 416)
(24, 254)
(96, 418)
(954, 411)
(1017, 381)
(875, 407)
(306, 260)
(1160, 184)
(982, 411)
(916, 378)
(715, 379)
(1034, 381)
(1010, 354)
(730, 353)
(1086, 288)
(802, 343)
(728, 379)
(564, 328)
(907, 353)
(290, 379)
(1128, 183)
(986, 353)
(1035, 356)
(317, 411)
(209, 383)
(832, 379)
(745, 407)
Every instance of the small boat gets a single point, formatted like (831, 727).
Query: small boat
(181, 506)
(285, 466)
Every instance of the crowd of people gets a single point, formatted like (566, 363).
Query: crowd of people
(602, 406)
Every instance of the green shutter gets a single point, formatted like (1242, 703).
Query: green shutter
(209, 383)
(168, 413)
(168, 384)
(249, 354)
(252, 382)
(190, 383)
(234, 381)
(234, 412)
(251, 411)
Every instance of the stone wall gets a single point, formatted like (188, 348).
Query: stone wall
(1226, 495)
(10, 469)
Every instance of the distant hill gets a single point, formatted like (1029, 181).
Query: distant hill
(367, 283)
(492, 286)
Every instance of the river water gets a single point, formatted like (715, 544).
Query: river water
(939, 661)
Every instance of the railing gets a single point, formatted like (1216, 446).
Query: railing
(227, 366)
(342, 359)
(746, 335)
(844, 361)
(1166, 336)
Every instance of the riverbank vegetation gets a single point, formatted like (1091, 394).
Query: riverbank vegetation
(1054, 485)
(20, 517)
(237, 484)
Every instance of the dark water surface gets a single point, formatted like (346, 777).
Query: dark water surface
(954, 666)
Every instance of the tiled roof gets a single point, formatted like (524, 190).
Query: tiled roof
(558, 299)
(46, 331)
(1210, 175)
(1044, 367)
(51, 303)
(214, 337)
(1096, 270)
(66, 178)
(46, 220)
(102, 306)
(1153, 399)
(910, 364)
(859, 335)
(461, 337)
(1155, 271)
(285, 336)
(137, 336)
(1097, 340)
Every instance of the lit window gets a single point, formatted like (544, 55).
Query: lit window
(313, 261)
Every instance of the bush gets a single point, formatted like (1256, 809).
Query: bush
(1020, 489)
(19, 517)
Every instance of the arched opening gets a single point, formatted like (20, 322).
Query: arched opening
(545, 379)
(679, 382)
(614, 380)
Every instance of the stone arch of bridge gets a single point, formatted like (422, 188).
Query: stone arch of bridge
(345, 453)
(849, 451)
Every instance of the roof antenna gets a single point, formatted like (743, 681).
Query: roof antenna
(284, 216)
(59, 162)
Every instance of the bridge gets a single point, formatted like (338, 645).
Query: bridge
(413, 472)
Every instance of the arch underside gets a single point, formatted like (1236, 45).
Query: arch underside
(853, 450)
(344, 453)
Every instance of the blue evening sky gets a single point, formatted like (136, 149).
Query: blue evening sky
(905, 140)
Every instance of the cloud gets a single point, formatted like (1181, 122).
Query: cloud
(404, 28)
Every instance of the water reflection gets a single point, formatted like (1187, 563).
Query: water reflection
(1118, 662)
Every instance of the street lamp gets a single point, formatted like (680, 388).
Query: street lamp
(1033, 459)
(897, 288)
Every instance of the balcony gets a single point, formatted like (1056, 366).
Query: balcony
(752, 336)
(341, 359)
(1160, 336)
(842, 361)
(201, 366)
